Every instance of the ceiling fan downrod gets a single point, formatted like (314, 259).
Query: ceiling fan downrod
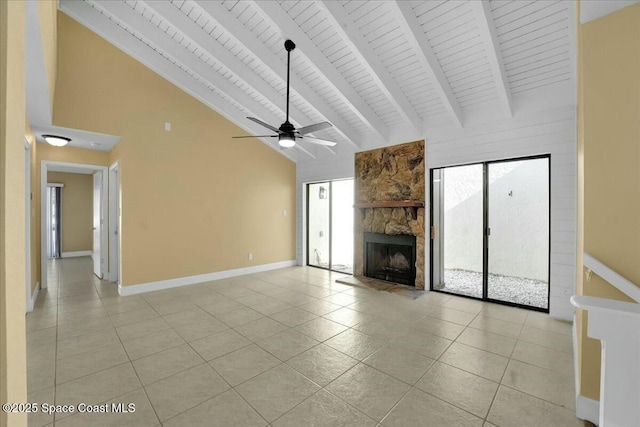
(289, 46)
(287, 137)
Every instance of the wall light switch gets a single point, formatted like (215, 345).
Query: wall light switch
(250, 256)
(284, 212)
(167, 126)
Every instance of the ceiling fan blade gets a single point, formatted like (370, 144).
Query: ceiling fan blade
(267, 125)
(319, 141)
(255, 136)
(314, 128)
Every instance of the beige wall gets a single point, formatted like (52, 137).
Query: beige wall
(76, 210)
(48, 14)
(194, 201)
(13, 372)
(609, 163)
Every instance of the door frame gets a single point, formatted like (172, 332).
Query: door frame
(27, 225)
(45, 167)
(115, 258)
(485, 232)
(307, 223)
(98, 222)
(47, 209)
(305, 234)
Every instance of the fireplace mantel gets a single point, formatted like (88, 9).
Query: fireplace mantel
(413, 205)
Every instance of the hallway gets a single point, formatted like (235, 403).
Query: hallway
(291, 347)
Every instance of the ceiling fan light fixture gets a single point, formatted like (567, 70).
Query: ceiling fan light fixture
(286, 141)
(56, 141)
(287, 132)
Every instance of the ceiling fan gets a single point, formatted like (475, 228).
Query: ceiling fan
(287, 134)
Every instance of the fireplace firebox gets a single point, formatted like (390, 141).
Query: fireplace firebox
(390, 257)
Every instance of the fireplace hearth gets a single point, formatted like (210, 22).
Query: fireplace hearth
(390, 257)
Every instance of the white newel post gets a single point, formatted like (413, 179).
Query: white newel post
(617, 325)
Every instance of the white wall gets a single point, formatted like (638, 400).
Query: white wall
(552, 132)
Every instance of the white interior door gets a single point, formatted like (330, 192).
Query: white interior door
(114, 224)
(48, 219)
(117, 230)
(97, 224)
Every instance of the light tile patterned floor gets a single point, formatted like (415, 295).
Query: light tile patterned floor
(292, 348)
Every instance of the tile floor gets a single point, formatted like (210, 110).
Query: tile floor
(292, 348)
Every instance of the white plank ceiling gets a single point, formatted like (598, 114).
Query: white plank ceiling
(382, 72)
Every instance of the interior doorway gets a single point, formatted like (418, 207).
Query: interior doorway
(330, 225)
(491, 231)
(96, 200)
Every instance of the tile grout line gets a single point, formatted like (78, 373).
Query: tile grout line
(137, 376)
(284, 363)
(55, 384)
(464, 370)
(290, 328)
(502, 377)
(205, 362)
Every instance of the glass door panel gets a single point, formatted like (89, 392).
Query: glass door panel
(518, 220)
(318, 216)
(342, 226)
(460, 190)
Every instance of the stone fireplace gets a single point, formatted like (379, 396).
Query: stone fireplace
(389, 201)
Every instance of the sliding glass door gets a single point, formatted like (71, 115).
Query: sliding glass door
(518, 250)
(490, 231)
(318, 215)
(461, 213)
(330, 225)
(342, 226)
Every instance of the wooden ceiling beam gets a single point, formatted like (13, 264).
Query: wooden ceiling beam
(484, 18)
(288, 28)
(420, 45)
(225, 20)
(361, 48)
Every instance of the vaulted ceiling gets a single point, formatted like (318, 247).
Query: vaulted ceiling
(381, 72)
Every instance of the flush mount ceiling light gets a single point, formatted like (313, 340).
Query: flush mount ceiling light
(57, 141)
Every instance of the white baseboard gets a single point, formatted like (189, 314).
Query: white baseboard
(34, 296)
(191, 280)
(75, 254)
(588, 409)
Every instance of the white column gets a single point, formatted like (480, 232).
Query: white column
(617, 325)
